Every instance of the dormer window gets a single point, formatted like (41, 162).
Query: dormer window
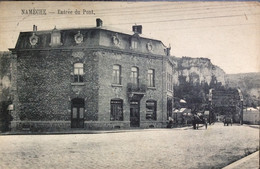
(55, 37)
(134, 44)
(134, 41)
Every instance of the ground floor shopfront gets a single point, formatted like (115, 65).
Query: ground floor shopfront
(121, 114)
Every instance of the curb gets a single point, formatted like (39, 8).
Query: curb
(79, 132)
(239, 162)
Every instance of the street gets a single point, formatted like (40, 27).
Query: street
(215, 147)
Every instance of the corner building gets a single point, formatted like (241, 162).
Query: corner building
(90, 78)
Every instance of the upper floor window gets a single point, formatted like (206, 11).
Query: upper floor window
(55, 37)
(134, 75)
(169, 82)
(78, 72)
(134, 44)
(56, 40)
(150, 78)
(116, 74)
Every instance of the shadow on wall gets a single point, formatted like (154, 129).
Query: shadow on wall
(5, 116)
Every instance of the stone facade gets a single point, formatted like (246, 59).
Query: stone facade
(65, 79)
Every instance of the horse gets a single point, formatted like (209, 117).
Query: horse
(199, 120)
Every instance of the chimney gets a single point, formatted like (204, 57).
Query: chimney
(99, 22)
(137, 29)
(34, 28)
(168, 50)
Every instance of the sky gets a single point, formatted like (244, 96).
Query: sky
(228, 33)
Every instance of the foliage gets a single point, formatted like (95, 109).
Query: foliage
(195, 94)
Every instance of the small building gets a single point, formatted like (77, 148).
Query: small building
(224, 102)
(251, 115)
(182, 116)
(90, 78)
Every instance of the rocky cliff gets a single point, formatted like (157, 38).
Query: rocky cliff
(199, 70)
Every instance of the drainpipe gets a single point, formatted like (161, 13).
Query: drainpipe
(163, 87)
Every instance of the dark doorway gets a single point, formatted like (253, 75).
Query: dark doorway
(134, 114)
(77, 113)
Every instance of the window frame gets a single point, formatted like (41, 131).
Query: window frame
(134, 44)
(151, 78)
(169, 82)
(78, 77)
(116, 74)
(116, 110)
(149, 115)
(134, 75)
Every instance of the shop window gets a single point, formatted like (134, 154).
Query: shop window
(116, 110)
(151, 78)
(116, 74)
(151, 106)
(78, 72)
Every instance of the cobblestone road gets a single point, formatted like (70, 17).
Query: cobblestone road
(154, 148)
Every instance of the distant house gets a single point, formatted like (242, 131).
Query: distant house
(251, 116)
(181, 116)
(224, 102)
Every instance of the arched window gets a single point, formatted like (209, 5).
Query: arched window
(55, 37)
(116, 110)
(78, 72)
(116, 74)
(151, 106)
(134, 75)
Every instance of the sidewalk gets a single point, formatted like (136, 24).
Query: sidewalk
(70, 132)
(85, 131)
(249, 162)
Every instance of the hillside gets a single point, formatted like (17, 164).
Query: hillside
(249, 83)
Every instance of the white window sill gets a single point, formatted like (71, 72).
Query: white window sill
(78, 84)
(116, 85)
(152, 88)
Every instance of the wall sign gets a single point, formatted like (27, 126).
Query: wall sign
(78, 38)
(34, 39)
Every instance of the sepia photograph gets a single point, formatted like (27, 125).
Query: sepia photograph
(127, 84)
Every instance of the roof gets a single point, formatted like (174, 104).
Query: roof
(67, 38)
(250, 109)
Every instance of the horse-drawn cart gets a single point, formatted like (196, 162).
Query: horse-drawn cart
(227, 120)
(199, 119)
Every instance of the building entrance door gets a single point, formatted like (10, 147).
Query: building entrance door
(134, 114)
(77, 113)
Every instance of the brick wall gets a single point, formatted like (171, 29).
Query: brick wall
(108, 91)
(45, 85)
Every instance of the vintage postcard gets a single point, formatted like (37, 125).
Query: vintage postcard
(129, 84)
